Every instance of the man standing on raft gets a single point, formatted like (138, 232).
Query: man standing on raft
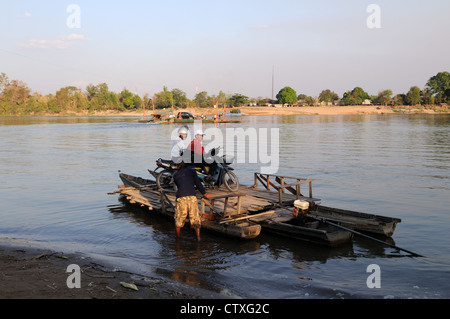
(187, 180)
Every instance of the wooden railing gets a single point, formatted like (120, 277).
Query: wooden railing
(268, 180)
(227, 212)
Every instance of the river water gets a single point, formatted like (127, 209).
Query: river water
(56, 172)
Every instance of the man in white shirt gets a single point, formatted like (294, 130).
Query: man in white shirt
(180, 145)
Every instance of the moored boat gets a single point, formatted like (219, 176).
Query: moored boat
(283, 223)
(363, 222)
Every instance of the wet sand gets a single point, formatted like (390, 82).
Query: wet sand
(35, 273)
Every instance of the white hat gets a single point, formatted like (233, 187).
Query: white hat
(199, 132)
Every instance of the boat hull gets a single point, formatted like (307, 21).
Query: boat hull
(362, 222)
(309, 230)
(243, 230)
(317, 236)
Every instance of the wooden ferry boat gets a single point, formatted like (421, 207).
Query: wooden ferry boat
(252, 210)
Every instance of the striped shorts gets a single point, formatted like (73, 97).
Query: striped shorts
(187, 206)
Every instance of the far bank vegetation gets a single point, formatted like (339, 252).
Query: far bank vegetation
(16, 99)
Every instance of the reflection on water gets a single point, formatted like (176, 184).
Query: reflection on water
(56, 172)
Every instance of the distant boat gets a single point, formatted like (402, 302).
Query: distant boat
(187, 121)
(233, 114)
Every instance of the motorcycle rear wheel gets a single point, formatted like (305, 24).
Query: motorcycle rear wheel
(231, 181)
(165, 180)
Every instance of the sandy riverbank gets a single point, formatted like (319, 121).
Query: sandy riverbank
(305, 110)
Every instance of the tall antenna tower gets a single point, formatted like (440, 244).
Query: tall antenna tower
(273, 79)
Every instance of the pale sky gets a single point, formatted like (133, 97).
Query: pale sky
(224, 45)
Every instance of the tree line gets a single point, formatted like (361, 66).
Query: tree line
(16, 98)
(436, 91)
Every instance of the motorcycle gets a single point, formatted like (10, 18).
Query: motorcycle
(223, 174)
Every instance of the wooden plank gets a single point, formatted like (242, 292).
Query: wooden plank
(265, 180)
(281, 219)
(273, 196)
(283, 176)
(246, 217)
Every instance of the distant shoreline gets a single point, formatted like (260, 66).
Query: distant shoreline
(304, 110)
(276, 111)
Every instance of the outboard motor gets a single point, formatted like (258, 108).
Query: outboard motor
(301, 207)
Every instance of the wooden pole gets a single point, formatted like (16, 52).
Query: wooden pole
(246, 217)
(364, 235)
(217, 111)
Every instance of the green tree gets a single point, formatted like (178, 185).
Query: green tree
(222, 98)
(310, 101)
(287, 95)
(113, 101)
(439, 85)
(354, 97)
(52, 104)
(399, 99)
(126, 98)
(3, 82)
(328, 96)
(129, 100)
(238, 100)
(100, 98)
(261, 100)
(14, 97)
(66, 98)
(36, 104)
(427, 97)
(202, 99)
(306, 100)
(349, 99)
(163, 99)
(179, 98)
(359, 92)
(413, 97)
(147, 101)
(384, 97)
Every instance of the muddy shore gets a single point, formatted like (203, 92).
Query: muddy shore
(27, 272)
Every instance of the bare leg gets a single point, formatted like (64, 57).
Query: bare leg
(197, 232)
(178, 229)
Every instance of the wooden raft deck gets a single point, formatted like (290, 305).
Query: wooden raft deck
(248, 200)
(225, 213)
